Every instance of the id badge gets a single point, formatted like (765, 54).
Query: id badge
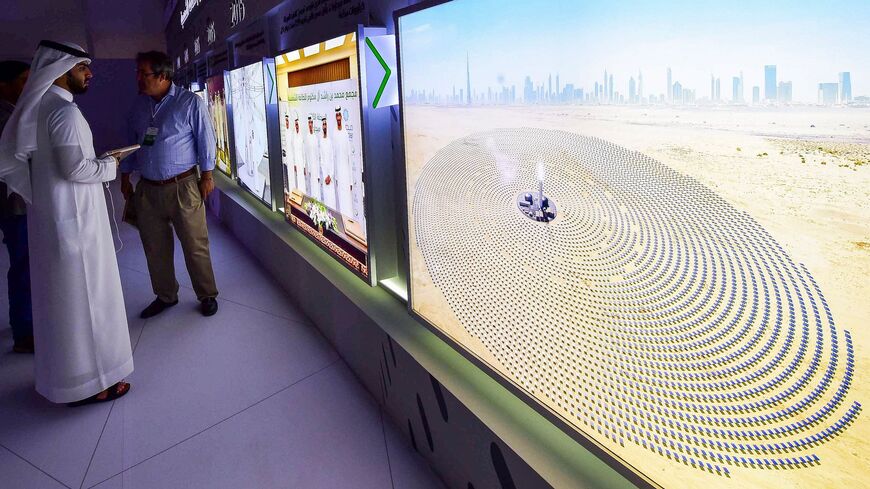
(150, 136)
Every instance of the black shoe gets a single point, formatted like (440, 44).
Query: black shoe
(24, 345)
(156, 308)
(208, 306)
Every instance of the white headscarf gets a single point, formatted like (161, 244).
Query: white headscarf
(18, 140)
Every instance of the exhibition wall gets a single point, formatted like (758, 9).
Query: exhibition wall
(667, 273)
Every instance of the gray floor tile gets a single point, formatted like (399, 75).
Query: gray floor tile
(18, 474)
(243, 280)
(192, 372)
(188, 422)
(324, 432)
(57, 439)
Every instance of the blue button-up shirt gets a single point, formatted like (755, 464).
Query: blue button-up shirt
(185, 135)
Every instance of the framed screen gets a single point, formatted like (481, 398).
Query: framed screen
(651, 223)
(321, 143)
(217, 108)
(248, 99)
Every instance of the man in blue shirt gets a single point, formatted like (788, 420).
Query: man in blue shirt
(177, 138)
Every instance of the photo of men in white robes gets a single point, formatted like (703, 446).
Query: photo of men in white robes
(312, 161)
(79, 321)
(327, 170)
(343, 169)
(297, 156)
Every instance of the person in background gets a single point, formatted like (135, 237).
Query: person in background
(327, 185)
(298, 158)
(312, 162)
(174, 128)
(13, 220)
(343, 169)
(47, 156)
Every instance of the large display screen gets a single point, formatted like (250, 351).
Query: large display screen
(321, 144)
(652, 219)
(248, 99)
(217, 109)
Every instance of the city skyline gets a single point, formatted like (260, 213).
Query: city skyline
(773, 91)
(501, 57)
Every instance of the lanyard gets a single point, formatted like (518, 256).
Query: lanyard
(156, 108)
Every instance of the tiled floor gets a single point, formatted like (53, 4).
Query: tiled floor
(253, 397)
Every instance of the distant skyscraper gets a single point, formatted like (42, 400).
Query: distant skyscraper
(604, 88)
(550, 87)
(676, 93)
(468, 77)
(756, 95)
(828, 93)
(558, 88)
(528, 91)
(737, 89)
(770, 82)
(639, 87)
(610, 89)
(718, 89)
(712, 87)
(845, 94)
(784, 92)
(670, 87)
(632, 91)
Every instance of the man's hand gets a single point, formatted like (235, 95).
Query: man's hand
(206, 184)
(126, 186)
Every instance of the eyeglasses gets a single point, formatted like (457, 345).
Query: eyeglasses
(143, 73)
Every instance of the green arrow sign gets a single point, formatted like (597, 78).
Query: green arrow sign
(387, 73)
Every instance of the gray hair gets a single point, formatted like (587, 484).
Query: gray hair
(160, 63)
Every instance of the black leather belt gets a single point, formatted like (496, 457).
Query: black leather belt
(174, 179)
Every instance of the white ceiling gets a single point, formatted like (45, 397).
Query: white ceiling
(108, 28)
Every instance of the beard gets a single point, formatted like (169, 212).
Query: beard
(77, 87)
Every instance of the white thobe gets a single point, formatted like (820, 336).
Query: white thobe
(327, 173)
(343, 179)
(79, 320)
(312, 164)
(287, 156)
(298, 160)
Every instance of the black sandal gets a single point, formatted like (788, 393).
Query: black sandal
(110, 396)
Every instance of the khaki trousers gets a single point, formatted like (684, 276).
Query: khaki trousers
(159, 210)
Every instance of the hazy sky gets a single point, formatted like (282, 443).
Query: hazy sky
(809, 42)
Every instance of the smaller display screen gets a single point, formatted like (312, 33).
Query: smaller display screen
(217, 108)
(321, 145)
(248, 99)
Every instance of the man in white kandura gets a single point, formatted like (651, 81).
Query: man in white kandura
(79, 320)
(312, 162)
(327, 170)
(286, 148)
(343, 179)
(297, 157)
